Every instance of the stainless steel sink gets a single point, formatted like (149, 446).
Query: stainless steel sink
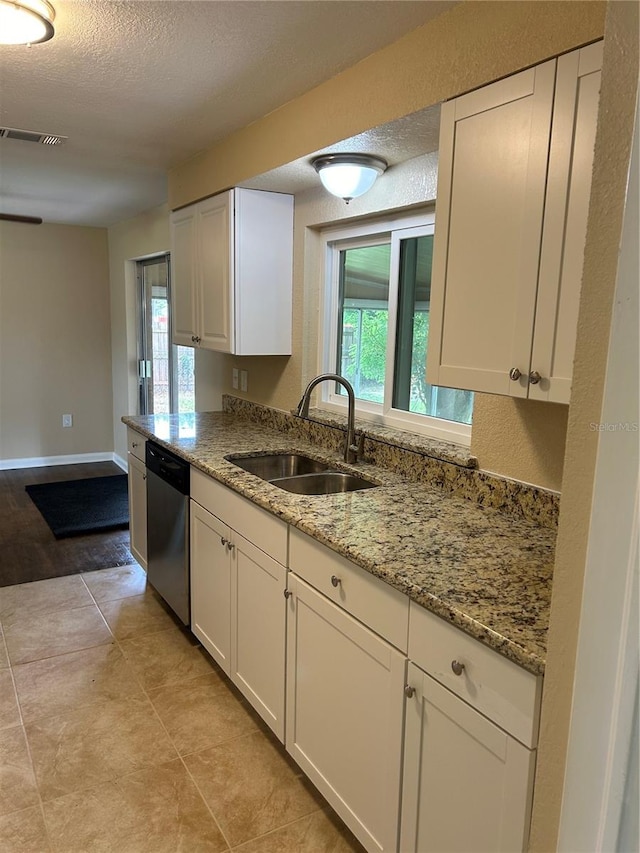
(324, 483)
(300, 474)
(276, 465)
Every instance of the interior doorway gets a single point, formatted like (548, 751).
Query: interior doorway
(165, 372)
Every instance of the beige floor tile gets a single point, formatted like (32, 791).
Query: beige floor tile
(120, 582)
(17, 784)
(26, 600)
(81, 748)
(167, 657)
(152, 811)
(67, 682)
(136, 615)
(202, 713)
(319, 832)
(56, 633)
(24, 832)
(250, 787)
(9, 713)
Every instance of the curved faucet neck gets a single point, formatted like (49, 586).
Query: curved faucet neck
(350, 450)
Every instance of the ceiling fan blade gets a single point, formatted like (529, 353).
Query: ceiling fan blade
(12, 217)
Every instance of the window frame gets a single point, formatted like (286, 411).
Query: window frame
(390, 230)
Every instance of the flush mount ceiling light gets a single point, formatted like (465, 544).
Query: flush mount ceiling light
(26, 21)
(348, 176)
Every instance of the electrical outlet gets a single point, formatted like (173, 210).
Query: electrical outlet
(244, 380)
(67, 420)
(234, 378)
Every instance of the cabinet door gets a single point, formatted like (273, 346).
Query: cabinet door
(494, 146)
(138, 508)
(575, 116)
(216, 272)
(183, 276)
(344, 713)
(264, 272)
(258, 645)
(467, 785)
(211, 585)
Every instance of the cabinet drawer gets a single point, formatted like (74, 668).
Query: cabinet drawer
(381, 607)
(497, 687)
(136, 443)
(249, 520)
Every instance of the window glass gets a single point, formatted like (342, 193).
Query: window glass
(364, 317)
(376, 332)
(411, 391)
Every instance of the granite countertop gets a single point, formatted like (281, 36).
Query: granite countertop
(476, 567)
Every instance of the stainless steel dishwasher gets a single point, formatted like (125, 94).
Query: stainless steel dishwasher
(168, 528)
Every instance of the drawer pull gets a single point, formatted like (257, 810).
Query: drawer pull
(223, 541)
(134, 444)
(287, 593)
(457, 667)
(409, 691)
(335, 580)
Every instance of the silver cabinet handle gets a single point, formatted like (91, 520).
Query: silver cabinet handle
(144, 476)
(534, 377)
(409, 691)
(230, 546)
(335, 580)
(134, 444)
(514, 374)
(287, 593)
(193, 338)
(457, 667)
(223, 541)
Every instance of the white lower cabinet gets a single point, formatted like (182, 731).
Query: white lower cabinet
(467, 784)
(137, 485)
(420, 737)
(344, 713)
(211, 585)
(238, 609)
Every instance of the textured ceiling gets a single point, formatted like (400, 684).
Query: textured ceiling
(140, 86)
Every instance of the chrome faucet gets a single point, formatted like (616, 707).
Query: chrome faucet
(351, 450)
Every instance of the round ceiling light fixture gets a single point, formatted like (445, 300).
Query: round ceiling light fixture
(348, 176)
(26, 21)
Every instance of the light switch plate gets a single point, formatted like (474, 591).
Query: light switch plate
(234, 378)
(67, 420)
(244, 380)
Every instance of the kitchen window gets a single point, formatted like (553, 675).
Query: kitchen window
(376, 327)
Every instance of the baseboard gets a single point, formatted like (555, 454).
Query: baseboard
(74, 459)
(120, 462)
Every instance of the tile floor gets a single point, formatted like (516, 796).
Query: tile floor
(118, 733)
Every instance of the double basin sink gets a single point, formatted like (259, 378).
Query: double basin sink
(300, 474)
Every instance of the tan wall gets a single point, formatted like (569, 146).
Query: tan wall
(55, 355)
(147, 234)
(611, 162)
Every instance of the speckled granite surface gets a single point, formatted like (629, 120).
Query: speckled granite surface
(418, 458)
(475, 566)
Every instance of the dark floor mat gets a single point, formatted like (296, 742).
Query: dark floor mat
(76, 507)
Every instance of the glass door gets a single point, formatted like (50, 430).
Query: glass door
(165, 371)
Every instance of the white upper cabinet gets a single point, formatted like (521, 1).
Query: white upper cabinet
(232, 267)
(513, 194)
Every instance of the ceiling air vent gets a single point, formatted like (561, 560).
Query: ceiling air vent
(31, 136)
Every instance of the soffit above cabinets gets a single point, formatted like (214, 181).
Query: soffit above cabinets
(396, 142)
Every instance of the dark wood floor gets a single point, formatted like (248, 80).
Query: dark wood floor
(28, 549)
